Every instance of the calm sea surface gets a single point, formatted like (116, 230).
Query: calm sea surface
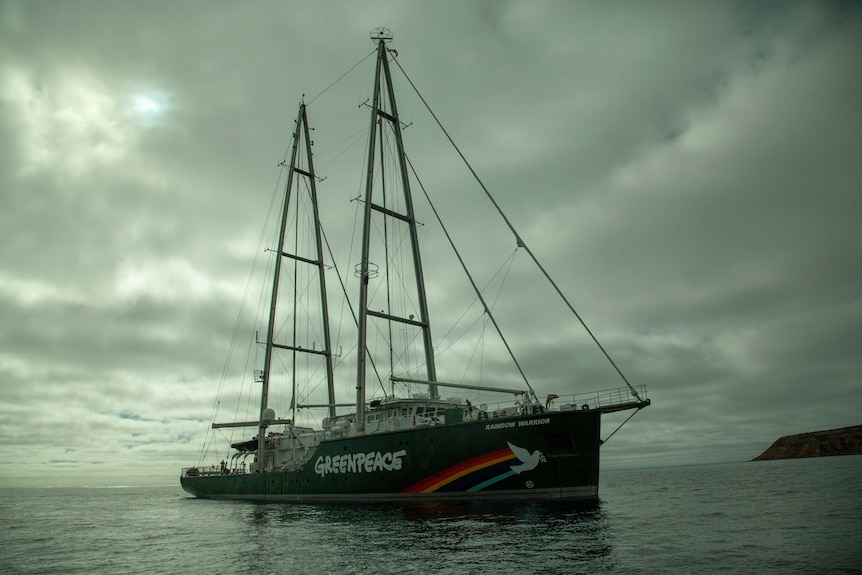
(798, 516)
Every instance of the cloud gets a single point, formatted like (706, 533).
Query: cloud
(686, 174)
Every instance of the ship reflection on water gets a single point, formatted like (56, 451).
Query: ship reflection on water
(496, 535)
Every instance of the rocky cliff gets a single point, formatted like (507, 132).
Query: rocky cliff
(844, 441)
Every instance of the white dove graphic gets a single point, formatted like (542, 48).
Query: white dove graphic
(529, 461)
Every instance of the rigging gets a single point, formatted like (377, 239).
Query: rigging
(520, 242)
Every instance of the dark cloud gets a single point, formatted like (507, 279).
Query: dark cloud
(688, 174)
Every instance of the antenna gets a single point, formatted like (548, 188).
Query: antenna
(381, 35)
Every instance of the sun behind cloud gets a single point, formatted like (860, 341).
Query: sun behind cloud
(74, 123)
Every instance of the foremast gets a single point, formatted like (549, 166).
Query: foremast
(301, 140)
(384, 112)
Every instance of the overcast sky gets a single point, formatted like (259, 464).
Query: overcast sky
(688, 172)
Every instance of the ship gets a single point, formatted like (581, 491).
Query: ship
(422, 437)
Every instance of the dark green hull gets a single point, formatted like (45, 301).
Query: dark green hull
(552, 455)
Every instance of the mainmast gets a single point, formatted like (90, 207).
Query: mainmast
(301, 139)
(384, 113)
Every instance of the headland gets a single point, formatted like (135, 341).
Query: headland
(843, 441)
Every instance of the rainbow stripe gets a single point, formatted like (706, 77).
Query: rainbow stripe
(471, 475)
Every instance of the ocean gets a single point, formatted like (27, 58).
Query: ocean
(788, 517)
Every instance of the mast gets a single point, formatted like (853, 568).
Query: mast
(324, 306)
(301, 138)
(385, 95)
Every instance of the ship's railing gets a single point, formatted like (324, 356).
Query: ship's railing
(205, 470)
(604, 400)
